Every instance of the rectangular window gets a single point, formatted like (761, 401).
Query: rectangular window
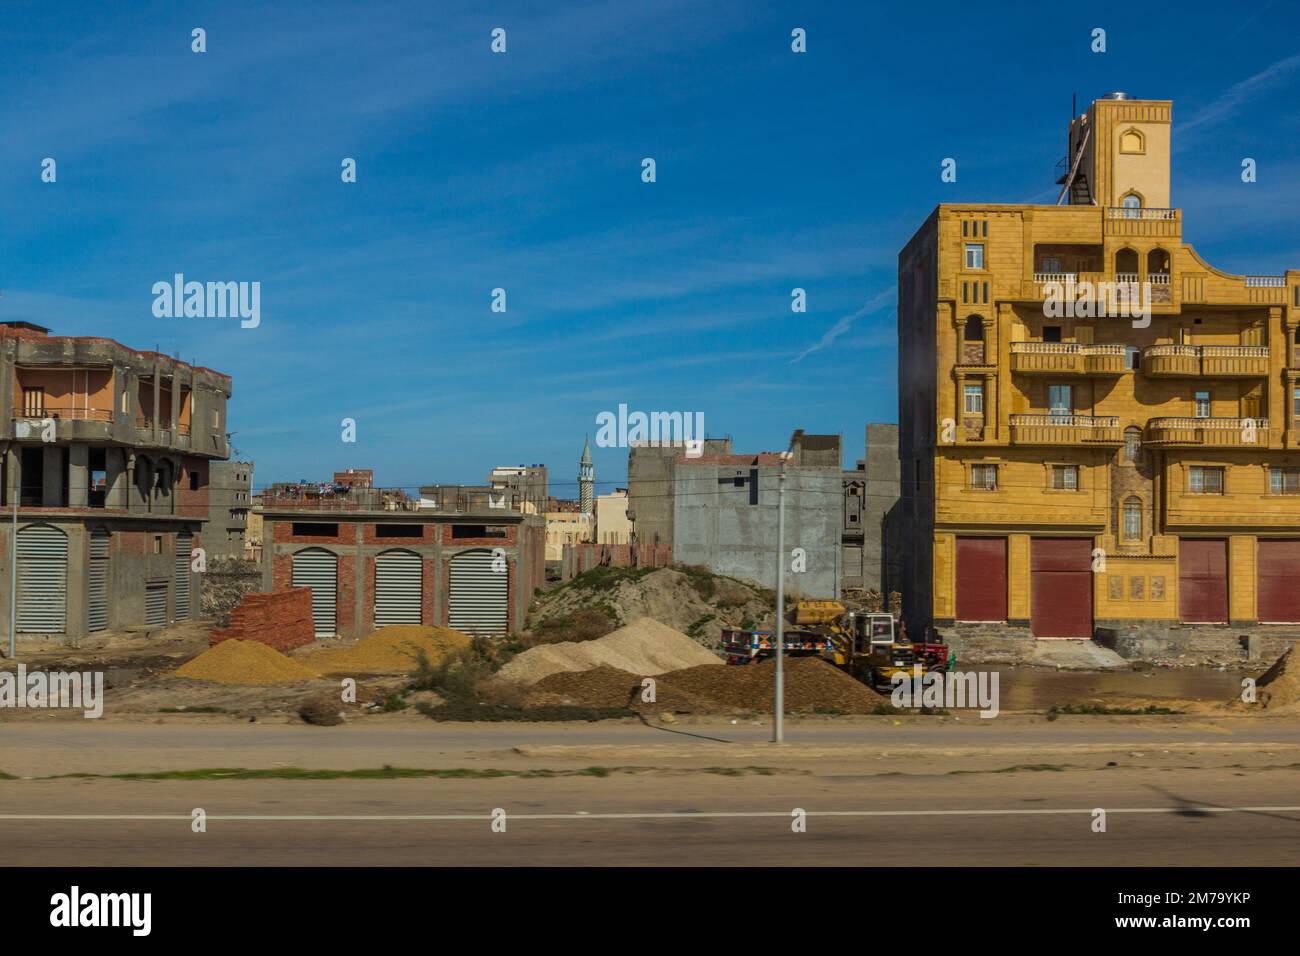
(1060, 401)
(974, 255)
(1051, 265)
(974, 400)
(399, 531)
(1295, 401)
(1065, 477)
(1205, 480)
(1284, 481)
(1051, 333)
(34, 402)
(312, 529)
(1202, 404)
(984, 477)
(477, 531)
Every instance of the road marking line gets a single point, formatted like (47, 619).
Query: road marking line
(669, 815)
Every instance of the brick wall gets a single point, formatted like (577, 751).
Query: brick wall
(192, 504)
(280, 619)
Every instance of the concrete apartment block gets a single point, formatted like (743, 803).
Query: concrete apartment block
(725, 515)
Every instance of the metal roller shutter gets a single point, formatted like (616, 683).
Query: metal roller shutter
(184, 544)
(42, 580)
(317, 569)
(155, 603)
(1060, 587)
(1279, 581)
(479, 595)
(97, 581)
(1203, 580)
(981, 579)
(398, 590)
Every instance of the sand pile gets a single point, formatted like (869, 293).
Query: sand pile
(389, 650)
(644, 648)
(244, 662)
(1279, 686)
(811, 685)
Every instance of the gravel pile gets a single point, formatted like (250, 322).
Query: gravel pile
(811, 685)
(644, 647)
(245, 662)
(1279, 686)
(390, 650)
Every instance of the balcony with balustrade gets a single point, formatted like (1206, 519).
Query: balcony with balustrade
(1067, 358)
(1207, 432)
(1205, 361)
(1065, 429)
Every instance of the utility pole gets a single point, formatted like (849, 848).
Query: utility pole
(14, 494)
(778, 722)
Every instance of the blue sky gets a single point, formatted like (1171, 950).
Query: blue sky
(522, 171)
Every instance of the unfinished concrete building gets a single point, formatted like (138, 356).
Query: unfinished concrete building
(725, 515)
(230, 499)
(370, 564)
(107, 454)
(650, 487)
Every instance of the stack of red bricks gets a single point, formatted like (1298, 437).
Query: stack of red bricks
(280, 619)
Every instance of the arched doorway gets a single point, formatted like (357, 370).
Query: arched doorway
(480, 589)
(399, 589)
(42, 580)
(317, 569)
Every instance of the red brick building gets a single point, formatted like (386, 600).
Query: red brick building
(370, 566)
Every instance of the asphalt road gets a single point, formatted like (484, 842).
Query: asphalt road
(876, 794)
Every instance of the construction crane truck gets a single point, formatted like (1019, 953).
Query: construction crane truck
(872, 646)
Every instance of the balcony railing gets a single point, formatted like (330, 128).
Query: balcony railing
(75, 414)
(1065, 429)
(1061, 277)
(1208, 432)
(1265, 282)
(1146, 215)
(356, 499)
(1211, 361)
(1057, 358)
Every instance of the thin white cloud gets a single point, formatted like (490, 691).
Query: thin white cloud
(1238, 93)
(875, 304)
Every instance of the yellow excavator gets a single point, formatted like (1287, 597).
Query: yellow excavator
(871, 646)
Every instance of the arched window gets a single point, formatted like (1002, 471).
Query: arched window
(1132, 141)
(1132, 203)
(974, 329)
(1158, 262)
(1132, 444)
(1132, 519)
(1126, 265)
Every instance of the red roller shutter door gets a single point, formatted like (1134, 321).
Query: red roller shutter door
(1279, 581)
(981, 579)
(1060, 580)
(1203, 580)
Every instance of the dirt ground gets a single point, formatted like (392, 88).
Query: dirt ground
(138, 687)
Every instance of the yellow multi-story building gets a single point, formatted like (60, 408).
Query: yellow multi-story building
(1064, 469)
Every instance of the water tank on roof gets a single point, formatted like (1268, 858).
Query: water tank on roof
(1116, 96)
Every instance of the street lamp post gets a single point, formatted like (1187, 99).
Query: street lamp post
(14, 494)
(778, 722)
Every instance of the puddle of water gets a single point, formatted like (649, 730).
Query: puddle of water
(1029, 688)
